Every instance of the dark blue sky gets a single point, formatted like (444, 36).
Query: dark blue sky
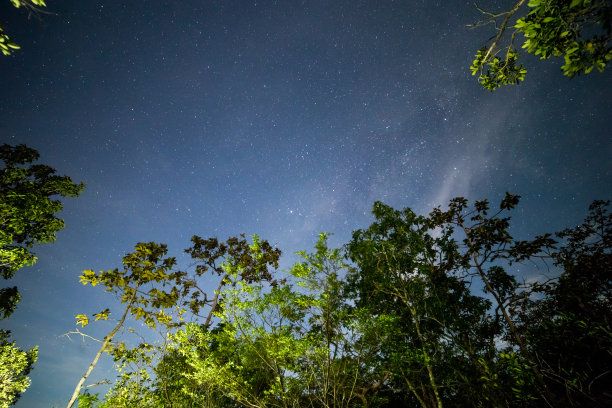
(283, 119)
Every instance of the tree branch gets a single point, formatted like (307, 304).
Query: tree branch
(103, 347)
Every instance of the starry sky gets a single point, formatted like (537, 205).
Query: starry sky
(277, 118)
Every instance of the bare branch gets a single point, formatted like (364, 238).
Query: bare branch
(105, 343)
(502, 29)
(103, 382)
(80, 333)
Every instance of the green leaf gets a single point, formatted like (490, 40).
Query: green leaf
(103, 315)
(82, 320)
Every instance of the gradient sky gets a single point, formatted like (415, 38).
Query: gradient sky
(277, 118)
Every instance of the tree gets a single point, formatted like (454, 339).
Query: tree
(174, 386)
(28, 205)
(567, 325)
(427, 313)
(538, 344)
(580, 31)
(439, 335)
(245, 358)
(136, 286)
(486, 246)
(340, 368)
(15, 365)
(214, 258)
(141, 286)
(287, 344)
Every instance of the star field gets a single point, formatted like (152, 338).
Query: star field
(282, 119)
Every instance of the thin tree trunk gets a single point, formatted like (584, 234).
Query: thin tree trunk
(215, 301)
(414, 392)
(430, 373)
(103, 347)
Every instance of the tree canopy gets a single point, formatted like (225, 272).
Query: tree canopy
(28, 207)
(151, 291)
(415, 310)
(579, 31)
(15, 365)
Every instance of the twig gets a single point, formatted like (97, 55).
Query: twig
(77, 331)
(103, 382)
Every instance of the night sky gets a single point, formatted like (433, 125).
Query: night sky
(277, 118)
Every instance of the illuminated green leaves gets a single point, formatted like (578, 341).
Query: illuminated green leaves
(149, 288)
(495, 72)
(6, 44)
(578, 31)
(88, 277)
(82, 320)
(576, 3)
(103, 315)
(28, 3)
(276, 341)
(28, 205)
(15, 364)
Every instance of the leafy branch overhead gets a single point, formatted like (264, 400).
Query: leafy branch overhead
(580, 31)
(6, 43)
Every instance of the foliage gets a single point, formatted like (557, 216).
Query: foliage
(427, 312)
(405, 268)
(174, 386)
(151, 291)
(498, 71)
(567, 326)
(139, 285)
(287, 344)
(28, 206)
(215, 258)
(131, 390)
(28, 3)
(246, 357)
(9, 297)
(421, 270)
(580, 31)
(15, 365)
(87, 400)
(488, 245)
(341, 369)
(6, 44)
